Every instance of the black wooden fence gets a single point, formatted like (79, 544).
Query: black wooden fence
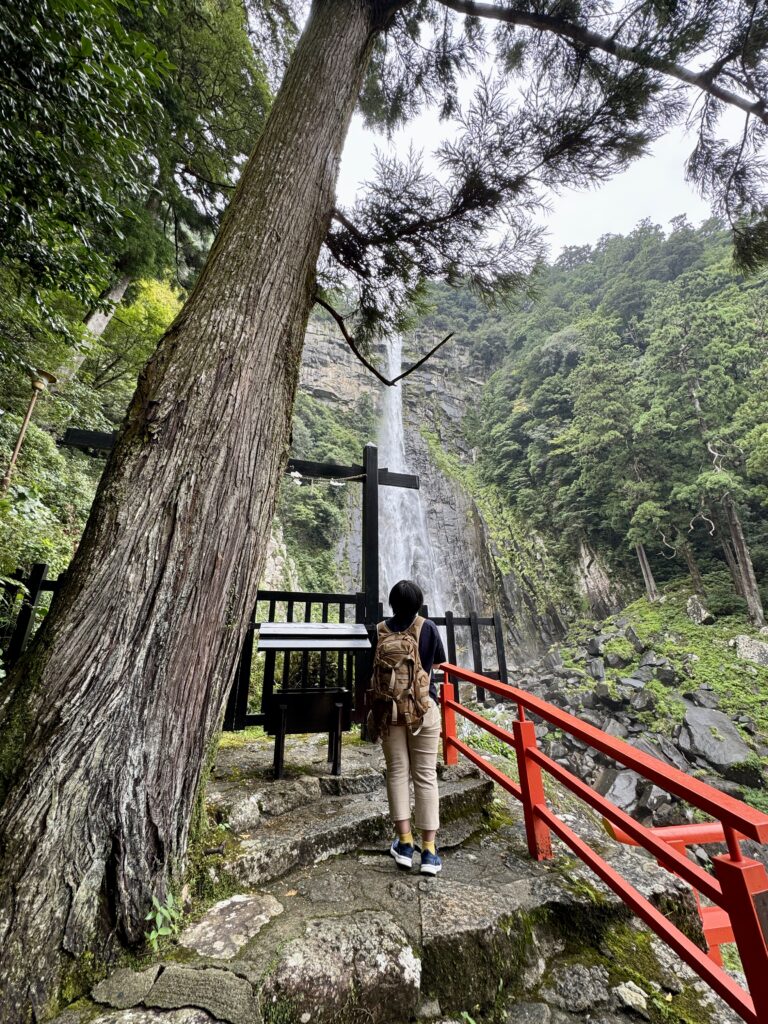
(280, 606)
(21, 612)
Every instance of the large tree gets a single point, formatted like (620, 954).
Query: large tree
(107, 720)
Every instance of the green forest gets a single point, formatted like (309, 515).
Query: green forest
(107, 211)
(626, 406)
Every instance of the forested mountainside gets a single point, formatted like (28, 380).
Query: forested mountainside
(618, 407)
(627, 407)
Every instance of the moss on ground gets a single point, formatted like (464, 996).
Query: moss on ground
(236, 740)
(629, 956)
(701, 655)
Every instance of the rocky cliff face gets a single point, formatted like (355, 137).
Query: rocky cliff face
(482, 563)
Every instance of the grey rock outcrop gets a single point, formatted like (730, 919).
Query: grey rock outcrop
(138, 1015)
(229, 925)
(752, 650)
(578, 988)
(126, 988)
(225, 995)
(709, 736)
(325, 973)
(529, 1013)
(697, 612)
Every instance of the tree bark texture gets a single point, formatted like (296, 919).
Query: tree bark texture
(693, 568)
(746, 569)
(733, 566)
(107, 720)
(651, 590)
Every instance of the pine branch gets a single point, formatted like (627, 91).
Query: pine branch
(368, 365)
(585, 37)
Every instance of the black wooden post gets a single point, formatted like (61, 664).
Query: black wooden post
(25, 620)
(371, 531)
(501, 655)
(477, 656)
(450, 636)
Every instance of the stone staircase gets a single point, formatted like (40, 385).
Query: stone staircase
(321, 927)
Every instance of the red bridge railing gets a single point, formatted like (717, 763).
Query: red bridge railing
(739, 886)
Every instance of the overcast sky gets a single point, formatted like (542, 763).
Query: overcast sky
(653, 187)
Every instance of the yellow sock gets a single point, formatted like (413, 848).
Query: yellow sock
(406, 838)
(428, 846)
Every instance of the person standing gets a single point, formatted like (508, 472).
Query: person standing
(406, 716)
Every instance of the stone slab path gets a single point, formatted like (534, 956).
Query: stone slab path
(323, 927)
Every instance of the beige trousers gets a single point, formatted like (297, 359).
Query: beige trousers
(414, 757)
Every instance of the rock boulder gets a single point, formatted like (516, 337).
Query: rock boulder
(752, 650)
(342, 969)
(698, 613)
(710, 736)
(228, 925)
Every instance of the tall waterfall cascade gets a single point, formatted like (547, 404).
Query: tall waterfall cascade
(405, 548)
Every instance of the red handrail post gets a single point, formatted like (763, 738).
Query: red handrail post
(450, 753)
(532, 786)
(745, 888)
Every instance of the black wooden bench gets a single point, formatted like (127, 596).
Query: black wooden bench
(314, 710)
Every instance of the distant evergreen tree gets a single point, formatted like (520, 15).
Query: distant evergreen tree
(641, 424)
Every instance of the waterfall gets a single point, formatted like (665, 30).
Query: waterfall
(405, 549)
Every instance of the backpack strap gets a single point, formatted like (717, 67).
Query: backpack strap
(417, 623)
(415, 631)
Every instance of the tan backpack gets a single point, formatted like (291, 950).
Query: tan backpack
(399, 692)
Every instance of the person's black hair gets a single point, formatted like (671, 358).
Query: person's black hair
(406, 599)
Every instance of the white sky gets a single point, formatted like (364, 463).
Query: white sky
(653, 187)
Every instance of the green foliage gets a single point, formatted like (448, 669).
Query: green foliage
(43, 514)
(629, 401)
(210, 112)
(166, 921)
(75, 109)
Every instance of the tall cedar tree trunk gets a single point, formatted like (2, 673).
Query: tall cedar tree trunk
(693, 568)
(98, 320)
(107, 721)
(651, 590)
(749, 586)
(733, 566)
(96, 323)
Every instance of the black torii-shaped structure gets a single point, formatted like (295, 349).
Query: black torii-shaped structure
(369, 474)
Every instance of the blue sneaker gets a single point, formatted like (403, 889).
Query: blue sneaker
(403, 854)
(430, 863)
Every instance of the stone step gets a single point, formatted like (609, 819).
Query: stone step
(311, 815)
(496, 937)
(331, 826)
(326, 930)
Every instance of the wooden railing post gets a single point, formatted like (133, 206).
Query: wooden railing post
(450, 753)
(745, 887)
(25, 620)
(532, 786)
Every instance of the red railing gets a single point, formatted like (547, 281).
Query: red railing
(715, 922)
(739, 886)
